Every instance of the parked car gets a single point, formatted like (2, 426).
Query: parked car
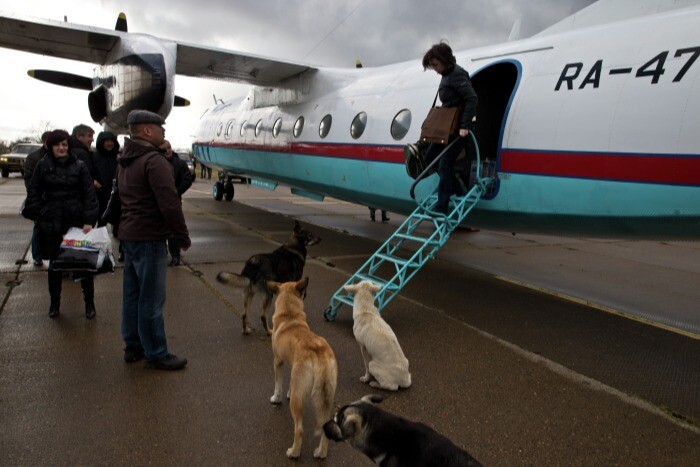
(190, 164)
(14, 160)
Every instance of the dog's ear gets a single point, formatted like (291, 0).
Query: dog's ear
(352, 426)
(302, 284)
(297, 227)
(332, 431)
(374, 288)
(272, 286)
(351, 288)
(373, 398)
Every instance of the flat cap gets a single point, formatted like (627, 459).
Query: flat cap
(144, 116)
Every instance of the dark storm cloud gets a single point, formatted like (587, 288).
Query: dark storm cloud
(329, 33)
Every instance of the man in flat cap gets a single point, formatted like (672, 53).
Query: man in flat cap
(151, 212)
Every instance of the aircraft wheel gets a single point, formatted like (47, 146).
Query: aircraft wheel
(229, 190)
(329, 314)
(218, 191)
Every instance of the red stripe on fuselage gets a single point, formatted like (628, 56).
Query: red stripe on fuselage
(644, 168)
(641, 168)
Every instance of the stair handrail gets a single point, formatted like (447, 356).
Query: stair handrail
(425, 171)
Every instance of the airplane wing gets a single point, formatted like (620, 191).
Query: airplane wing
(90, 44)
(207, 62)
(57, 38)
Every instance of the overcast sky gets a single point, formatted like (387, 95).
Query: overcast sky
(319, 32)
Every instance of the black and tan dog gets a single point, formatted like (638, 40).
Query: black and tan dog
(391, 440)
(284, 264)
(314, 374)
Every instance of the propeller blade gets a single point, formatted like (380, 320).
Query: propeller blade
(121, 23)
(62, 79)
(180, 102)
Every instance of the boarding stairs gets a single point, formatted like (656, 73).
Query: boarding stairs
(392, 266)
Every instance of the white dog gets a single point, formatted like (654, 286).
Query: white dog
(381, 352)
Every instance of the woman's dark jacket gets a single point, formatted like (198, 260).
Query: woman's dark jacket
(105, 163)
(61, 195)
(456, 90)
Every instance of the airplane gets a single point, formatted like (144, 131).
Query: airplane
(590, 127)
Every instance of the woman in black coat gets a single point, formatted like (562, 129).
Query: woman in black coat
(61, 195)
(455, 90)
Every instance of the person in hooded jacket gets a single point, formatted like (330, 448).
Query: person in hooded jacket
(105, 163)
(455, 90)
(61, 195)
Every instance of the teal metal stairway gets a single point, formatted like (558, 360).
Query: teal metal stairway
(392, 267)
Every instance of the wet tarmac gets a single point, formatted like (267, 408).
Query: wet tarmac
(514, 375)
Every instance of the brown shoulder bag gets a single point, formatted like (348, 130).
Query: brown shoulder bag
(440, 124)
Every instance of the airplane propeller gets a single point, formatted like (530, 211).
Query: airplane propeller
(62, 79)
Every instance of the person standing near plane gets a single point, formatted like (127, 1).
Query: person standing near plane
(151, 212)
(455, 90)
(61, 195)
(183, 181)
(105, 162)
(81, 142)
(29, 165)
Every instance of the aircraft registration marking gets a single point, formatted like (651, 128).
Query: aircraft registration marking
(654, 69)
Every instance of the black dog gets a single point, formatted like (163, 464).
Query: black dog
(393, 441)
(284, 264)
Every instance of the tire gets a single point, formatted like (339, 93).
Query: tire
(5, 172)
(230, 191)
(218, 191)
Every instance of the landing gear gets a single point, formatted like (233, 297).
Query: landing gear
(218, 191)
(224, 188)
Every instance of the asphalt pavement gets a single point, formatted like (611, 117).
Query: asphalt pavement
(509, 368)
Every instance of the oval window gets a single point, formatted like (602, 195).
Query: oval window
(243, 125)
(258, 128)
(298, 127)
(325, 126)
(229, 129)
(277, 127)
(219, 129)
(401, 124)
(358, 125)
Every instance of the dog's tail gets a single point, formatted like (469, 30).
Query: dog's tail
(233, 279)
(323, 392)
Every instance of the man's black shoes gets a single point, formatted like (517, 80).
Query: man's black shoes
(169, 362)
(132, 355)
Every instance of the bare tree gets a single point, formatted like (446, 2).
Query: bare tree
(38, 129)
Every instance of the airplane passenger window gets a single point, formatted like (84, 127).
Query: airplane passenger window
(229, 129)
(325, 126)
(358, 125)
(298, 126)
(277, 127)
(401, 124)
(258, 128)
(243, 125)
(219, 129)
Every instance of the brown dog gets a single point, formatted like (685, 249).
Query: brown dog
(314, 374)
(284, 264)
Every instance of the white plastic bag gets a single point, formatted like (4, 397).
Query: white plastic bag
(97, 239)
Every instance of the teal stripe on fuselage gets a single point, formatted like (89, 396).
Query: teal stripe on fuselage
(523, 202)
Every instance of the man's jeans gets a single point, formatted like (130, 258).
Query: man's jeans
(36, 248)
(143, 297)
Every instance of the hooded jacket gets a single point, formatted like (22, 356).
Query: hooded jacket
(105, 163)
(151, 209)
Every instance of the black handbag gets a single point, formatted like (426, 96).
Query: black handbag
(440, 124)
(113, 211)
